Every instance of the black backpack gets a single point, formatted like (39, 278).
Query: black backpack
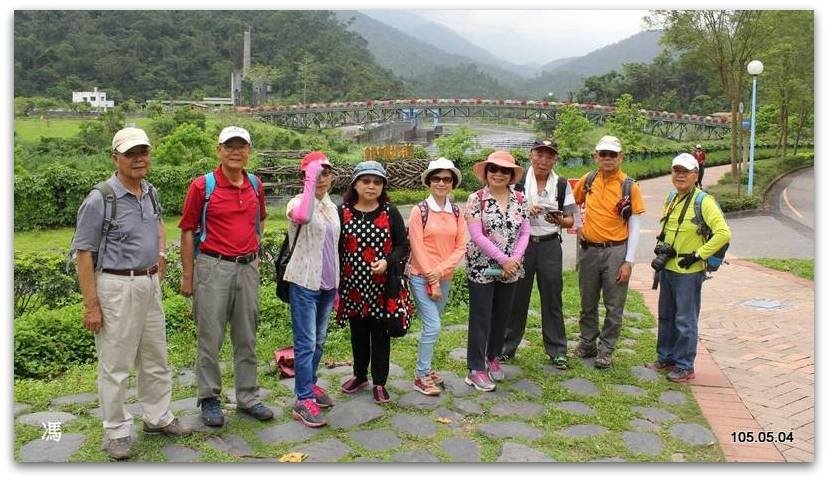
(624, 205)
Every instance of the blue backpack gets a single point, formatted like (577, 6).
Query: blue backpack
(200, 234)
(714, 261)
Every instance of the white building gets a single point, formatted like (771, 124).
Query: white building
(96, 99)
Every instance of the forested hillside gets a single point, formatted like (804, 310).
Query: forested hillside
(190, 54)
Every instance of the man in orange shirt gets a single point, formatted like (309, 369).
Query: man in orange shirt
(608, 240)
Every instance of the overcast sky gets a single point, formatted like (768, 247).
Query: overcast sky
(540, 36)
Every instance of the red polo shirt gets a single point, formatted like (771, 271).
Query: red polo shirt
(231, 215)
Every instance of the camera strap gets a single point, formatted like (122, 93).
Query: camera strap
(675, 203)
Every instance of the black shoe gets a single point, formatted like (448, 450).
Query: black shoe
(258, 411)
(211, 412)
(506, 357)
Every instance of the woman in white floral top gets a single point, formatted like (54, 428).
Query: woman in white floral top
(498, 221)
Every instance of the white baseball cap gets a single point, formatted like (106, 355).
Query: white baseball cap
(686, 160)
(129, 137)
(233, 132)
(608, 142)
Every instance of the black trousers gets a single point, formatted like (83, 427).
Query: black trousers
(370, 344)
(490, 305)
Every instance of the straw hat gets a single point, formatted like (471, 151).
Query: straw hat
(502, 159)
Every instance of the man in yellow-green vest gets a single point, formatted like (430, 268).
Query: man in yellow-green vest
(681, 259)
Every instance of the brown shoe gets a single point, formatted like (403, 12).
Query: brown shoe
(436, 378)
(661, 366)
(118, 448)
(584, 351)
(603, 360)
(425, 386)
(173, 429)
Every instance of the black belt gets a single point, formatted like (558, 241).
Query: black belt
(586, 244)
(233, 258)
(132, 273)
(542, 238)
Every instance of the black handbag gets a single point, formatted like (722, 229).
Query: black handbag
(399, 309)
(282, 260)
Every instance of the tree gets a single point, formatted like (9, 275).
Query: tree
(308, 72)
(728, 40)
(627, 122)
(571, 128)
(186, 145)
(454, 146)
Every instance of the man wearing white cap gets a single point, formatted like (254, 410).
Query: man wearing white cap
(223, 277)
(608, 240)
(681, 277)
(121, 250)
(699, 155)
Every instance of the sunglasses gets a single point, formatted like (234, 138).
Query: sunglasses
(607, 153)
(446, 180)
(498, 169)
(369, 181)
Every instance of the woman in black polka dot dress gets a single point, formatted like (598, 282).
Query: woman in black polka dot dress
(373, 237)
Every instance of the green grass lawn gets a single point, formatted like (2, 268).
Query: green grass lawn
(32, 129)
(797, 266)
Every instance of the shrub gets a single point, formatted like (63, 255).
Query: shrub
(48, 342)
(40, 280)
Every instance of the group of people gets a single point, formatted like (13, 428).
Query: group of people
(352, 258)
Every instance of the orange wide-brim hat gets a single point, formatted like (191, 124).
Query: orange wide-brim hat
(500, 158)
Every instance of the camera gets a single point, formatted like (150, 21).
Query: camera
(664, 252)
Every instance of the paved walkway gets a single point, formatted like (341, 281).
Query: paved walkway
(755, 369)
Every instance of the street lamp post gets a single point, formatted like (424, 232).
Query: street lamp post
(755, 69)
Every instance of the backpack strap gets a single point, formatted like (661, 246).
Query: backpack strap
(561, 192)
(589, 180)
(423, 206)
(254, 182)
(209, 187)
(482, 210)
(704, 229)
(626, 187)
(110, 220)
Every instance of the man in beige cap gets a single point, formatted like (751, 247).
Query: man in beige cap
(608, 240)
(121, 251)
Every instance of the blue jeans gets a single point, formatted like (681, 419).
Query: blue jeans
(309, 312)
(429, 312)
(679, 302)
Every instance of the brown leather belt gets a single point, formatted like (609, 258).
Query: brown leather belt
(233, 258)
(542, 238)
(586, 244)
(132, 273)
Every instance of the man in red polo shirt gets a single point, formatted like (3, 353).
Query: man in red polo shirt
(223, 276)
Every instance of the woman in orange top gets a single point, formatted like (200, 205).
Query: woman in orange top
(437, 235)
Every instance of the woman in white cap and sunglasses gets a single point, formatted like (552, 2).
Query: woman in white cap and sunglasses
(437, 233)
(498, 218)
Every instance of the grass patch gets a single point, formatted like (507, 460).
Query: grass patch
(612, 409)
(802, 268)
(33, 129)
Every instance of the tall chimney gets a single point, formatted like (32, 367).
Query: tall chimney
(246, 61)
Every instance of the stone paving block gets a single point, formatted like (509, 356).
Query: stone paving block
(630, 390)
(415, 425)
(624, 352)
(522, 409)
(515, 452)
(461, 449)
(511, 371)
(340, 371)
(180, 454)
(456, 419)
(643, 442)
(458, 354)
(79, 399)
(458, 327)
(37, 419)
(21, 408)
(330, 450)
(376, 440)
(528, 387)
(692, 433)
(415, 456)
(400, 385)
(510, 430)
(418, 400)
(580, 386)
(50, 450)
(627, 342)
(185, 404)
(641, 425)
(185, 378)
(635, 316)
(396, 371)
(575, 407)
(353, 413)
(583, 431)
(456, 385)
(230, 393)
(467, 407)
(586, 362)
(289, 432)
(552, 370)
(644, 373)
(635, 331)
(656, 415)
(231, 445)
(193, 421)
(672, 397)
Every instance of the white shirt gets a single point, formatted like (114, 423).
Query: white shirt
(538, 225)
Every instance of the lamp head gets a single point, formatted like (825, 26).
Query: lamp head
(755, 67)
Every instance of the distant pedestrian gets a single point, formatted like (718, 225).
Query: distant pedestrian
(498, 218)
(314, 277)
(551, 208)
(437, 232)
(223, 277)
(681, 277)
(373, 244)
(608, 241)
(699, 155)
(120, 266)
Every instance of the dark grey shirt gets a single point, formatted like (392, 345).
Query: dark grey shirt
(133, 242)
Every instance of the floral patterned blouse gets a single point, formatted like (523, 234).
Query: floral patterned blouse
(502, 228)
(367, 237)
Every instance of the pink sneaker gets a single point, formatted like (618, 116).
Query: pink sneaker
(495, 372)
(479, 379)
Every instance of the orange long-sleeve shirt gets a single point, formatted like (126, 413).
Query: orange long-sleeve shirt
(441, 245)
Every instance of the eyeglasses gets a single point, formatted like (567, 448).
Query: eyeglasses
(682, 172)
(607, 153)
(235, 146)
(134, 153)
(446, 180)
(498, 169)
(369, 181)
